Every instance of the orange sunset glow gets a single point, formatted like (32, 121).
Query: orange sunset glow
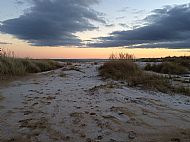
(22, 49)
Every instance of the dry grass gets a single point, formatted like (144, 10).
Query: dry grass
(167, 68)
(12, 66)
(62, 74)
(119, 69)
(121, 56)
(152, 82)
(1, 97)
(127, 70)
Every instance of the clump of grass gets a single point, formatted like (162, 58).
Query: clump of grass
(62, 74)
(167, 68)
(122, 56)
(127, 70)
(182, 90)
(1, 97)
(69, 63)
(119, 69)
(95, 63)
(182, 60)
(151, 82)
(12, 66)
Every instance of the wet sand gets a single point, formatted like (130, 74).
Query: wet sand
(81, 107)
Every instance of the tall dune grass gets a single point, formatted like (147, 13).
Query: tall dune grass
(12, 66)
(127, 70)
(122, 56)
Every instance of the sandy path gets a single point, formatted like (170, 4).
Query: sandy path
(83, 108)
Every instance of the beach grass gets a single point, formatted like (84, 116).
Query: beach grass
(167, 68)
(127, 70)
(10, 65)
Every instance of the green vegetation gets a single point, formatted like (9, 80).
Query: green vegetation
(12, 66)
(127, 70)
(167, 68)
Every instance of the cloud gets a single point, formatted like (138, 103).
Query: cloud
(19, 2)
(132, 10)
(121, 17)
(136, 11)
(110, 25)
(165, 28)
(124, 25)
(53, 22)
(124, 9)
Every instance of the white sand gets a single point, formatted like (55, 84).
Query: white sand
(81, 107)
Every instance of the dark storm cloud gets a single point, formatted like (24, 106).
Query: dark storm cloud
(53, 22)
(166, 28)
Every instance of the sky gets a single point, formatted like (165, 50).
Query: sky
(95, 28)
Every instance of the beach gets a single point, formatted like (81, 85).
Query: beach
(75, 104)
